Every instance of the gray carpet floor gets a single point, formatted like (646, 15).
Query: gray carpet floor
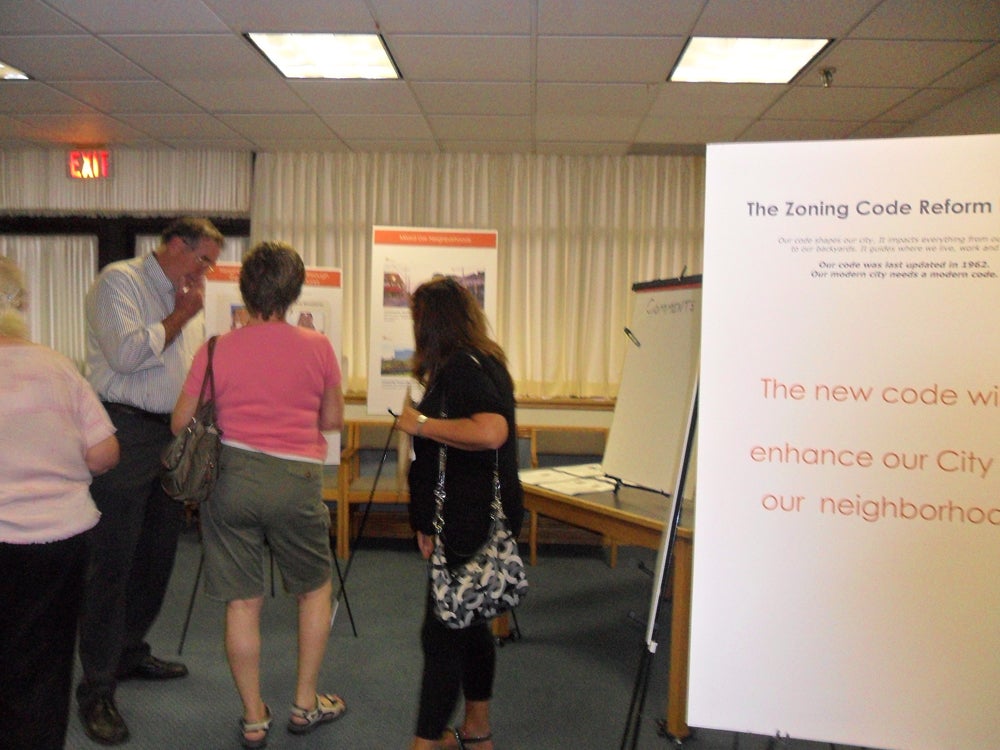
(565, 684)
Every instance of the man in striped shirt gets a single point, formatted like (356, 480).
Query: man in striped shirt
(144, 324)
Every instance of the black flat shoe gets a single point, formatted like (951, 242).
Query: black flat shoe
(102, 722)
(151, 668)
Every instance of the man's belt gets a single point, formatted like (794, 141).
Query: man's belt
(135, 411)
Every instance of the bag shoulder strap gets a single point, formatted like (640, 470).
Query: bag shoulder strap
(209, 380)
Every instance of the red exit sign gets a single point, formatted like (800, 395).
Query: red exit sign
(89, 165)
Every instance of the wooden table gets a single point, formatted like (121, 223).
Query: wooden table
(637, 517)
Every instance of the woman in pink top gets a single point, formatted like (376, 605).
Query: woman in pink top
(54, 436)
(277, 387)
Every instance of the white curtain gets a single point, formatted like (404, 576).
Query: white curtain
(143, 182)
(575, 233)
(58, 272)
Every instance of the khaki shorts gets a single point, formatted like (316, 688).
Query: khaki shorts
(261, 501)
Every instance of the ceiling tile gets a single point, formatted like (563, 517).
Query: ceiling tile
(879, 130)
(34, 17)
(976, 71)
(176, 126)
(932, 19)
(82, 130)
(356, 97)
(882, 63)
(219, 95)
(348, 16)
(594, 128)
(37, 98)
(267, 126)
(691, 129)
(407, 127)
(600, 17)
(58, 58)
(972, 113)
(192, 56)
(595, 98)
(127, 96)
(803, 19)
(479, 127)
(607, 59)
(499, 17)
(808, 130)
(142, 16)
(702, 99)
(836, 103)
(473, 98)
(919, 104)
(461, 58)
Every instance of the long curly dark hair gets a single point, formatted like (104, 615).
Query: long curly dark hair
(447, 319)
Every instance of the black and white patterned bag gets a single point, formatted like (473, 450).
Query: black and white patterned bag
(491, 582)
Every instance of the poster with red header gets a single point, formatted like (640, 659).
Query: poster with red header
(402, 259)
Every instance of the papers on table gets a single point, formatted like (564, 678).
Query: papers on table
(569, 480)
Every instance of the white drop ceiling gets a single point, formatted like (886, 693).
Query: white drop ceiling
(513, 76)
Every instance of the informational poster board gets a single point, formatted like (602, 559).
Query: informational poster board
(649, 426)
(847, 536)
(402, 259)
(320, 306)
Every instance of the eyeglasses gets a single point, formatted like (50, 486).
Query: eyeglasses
(206, 263)
(203, 260)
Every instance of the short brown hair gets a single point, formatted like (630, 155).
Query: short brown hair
(191, 229)
(271, 278)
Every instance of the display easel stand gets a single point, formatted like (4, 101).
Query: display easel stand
(194, 593)
(664, 559)
(342, 591)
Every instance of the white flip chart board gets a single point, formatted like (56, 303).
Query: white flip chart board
(648, 430)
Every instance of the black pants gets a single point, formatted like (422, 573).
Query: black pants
(132, 555)
(455, 662)
(40, 593)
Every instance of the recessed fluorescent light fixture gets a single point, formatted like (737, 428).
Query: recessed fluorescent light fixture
(327, 55)
(10, 73)
(731, 60)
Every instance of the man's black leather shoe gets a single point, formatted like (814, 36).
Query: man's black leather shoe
(151, 668)
(102, 722)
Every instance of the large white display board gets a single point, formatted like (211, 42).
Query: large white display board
(320, 306)
(402, 259)
(847, 555)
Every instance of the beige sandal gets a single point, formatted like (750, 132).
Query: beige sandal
(328, 708)
(253, 727)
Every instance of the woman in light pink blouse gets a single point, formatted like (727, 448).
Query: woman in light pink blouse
(54, 436)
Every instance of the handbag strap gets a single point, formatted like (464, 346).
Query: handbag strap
(496, 507)
(209, 379)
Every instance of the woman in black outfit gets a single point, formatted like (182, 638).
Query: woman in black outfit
(468, 406)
